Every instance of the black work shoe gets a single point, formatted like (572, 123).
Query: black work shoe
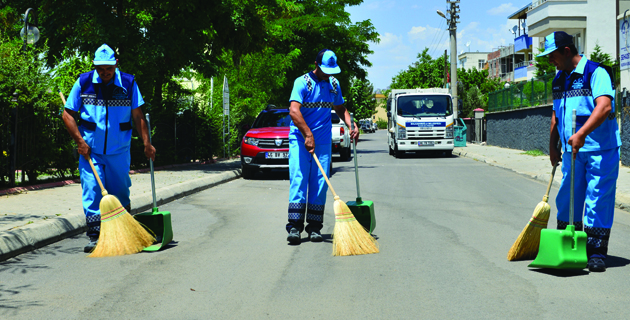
(315, 236)
(294, 236)
(596, 265)
(91, 245)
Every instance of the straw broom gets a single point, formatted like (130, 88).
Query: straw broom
(349, 237)
(120, 233)
(526, 245)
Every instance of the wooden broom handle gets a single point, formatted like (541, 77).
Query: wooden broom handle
(553, 172)
(88, 158)
(324, 174)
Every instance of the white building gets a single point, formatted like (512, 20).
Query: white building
(590, 22)
(469, 60)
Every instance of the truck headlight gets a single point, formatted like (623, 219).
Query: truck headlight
(251, 141)
(402, 133)
(449, 132)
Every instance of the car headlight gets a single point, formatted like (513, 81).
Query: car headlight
(251, 141)
(449, 132)
(402, 133)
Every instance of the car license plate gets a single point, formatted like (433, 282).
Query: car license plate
(425, 143)
(276, 155)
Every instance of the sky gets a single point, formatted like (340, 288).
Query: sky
(406, 27)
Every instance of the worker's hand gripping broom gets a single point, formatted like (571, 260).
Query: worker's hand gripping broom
(349, 236)
(526, 245)
(120, 233)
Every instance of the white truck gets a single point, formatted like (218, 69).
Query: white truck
(340, 137)
(420, 120)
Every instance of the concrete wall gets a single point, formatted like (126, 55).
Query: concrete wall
(523, 129)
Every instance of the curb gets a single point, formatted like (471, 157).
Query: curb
(622, 201)
(36, 235)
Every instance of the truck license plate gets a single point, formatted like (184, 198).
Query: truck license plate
(276, 155)
(425, 143)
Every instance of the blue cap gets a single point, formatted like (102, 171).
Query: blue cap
(555, 41)
(327, 61)
(104, 55)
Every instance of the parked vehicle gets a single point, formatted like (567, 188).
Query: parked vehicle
(266, 143)
(420, 120)
(374, 127)
(265, 146)
(340, 137)
(366, 125)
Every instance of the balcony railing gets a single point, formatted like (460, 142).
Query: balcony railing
(525, 64)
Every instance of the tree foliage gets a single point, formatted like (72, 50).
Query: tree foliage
(599, 56)
(424, 73)
(361, 99)
(260, 46)
(543, 66)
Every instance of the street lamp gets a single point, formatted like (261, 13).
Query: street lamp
(29, 33)
(441, 14)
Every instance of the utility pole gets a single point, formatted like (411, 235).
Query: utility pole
(452, 27)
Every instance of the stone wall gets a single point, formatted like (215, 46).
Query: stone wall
(528, 129)
(523, 129)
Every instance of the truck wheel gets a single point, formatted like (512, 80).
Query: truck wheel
(330, 169)
(397, 153)
(248, 173)
(345, 154)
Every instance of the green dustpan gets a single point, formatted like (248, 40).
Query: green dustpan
(157, 222)
(563, 249)
(362, 210)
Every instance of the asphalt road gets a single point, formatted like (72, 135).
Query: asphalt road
(444, 226)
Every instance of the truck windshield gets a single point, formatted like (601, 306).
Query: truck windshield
(425, 106)
(273, 119)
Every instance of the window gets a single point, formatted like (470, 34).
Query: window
(481, 64)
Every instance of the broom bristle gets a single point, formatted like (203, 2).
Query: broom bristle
(120, 233)
(526, 245)
(350, 237)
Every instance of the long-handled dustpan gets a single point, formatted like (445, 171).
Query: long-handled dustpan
(563, 249)
(157, 221)
(362, 210)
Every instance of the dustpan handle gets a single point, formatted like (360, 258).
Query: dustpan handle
(151, 162)
(356, 166)
(572, 205)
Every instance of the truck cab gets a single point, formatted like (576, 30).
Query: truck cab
(420, 120)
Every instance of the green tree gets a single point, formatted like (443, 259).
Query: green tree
(543, 66)
(599, 56)
(424, 73)
(361, 99)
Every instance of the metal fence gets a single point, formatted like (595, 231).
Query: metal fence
(534, 92)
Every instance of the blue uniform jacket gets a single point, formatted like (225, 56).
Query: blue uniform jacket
(578, 91)
(105, 110)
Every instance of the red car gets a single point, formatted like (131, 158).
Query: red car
(265, 146)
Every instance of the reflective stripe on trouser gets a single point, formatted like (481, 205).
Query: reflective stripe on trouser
(114, 173)
(308, 186)
(595, 185)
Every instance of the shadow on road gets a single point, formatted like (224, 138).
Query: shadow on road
(562, 273)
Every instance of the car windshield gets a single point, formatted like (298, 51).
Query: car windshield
(425, 106)
(273, 119)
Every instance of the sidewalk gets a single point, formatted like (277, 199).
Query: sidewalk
(35, 218)
(538, 167)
